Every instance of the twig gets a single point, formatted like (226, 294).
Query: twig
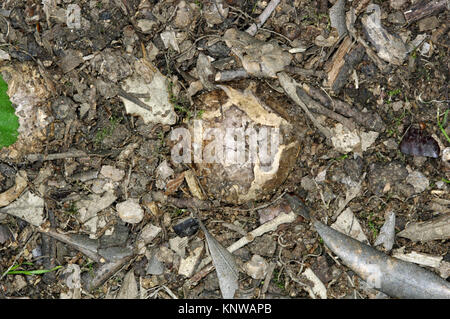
(319, 108)
(263, 17)
(31, 158)
(230, 75)
(131, 97)
(424, 9)
(369, 120)
(289, 85)
(241, 73)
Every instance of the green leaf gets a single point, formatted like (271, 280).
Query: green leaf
(9, 122)
(31, 272)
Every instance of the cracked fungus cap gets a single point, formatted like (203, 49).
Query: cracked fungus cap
(241, 149)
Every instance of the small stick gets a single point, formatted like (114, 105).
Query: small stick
(424, 9)
(131, 97)
(51, 157)
(230, 75)
(289, 85)
(241, 73)
(319, 108)
(263, 17)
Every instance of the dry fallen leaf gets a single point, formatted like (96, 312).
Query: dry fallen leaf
(223, 260)
(14, 192)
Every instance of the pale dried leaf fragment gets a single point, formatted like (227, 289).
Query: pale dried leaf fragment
(15, 191)
(169, 39)
(173, 184)
(189, 264)
(112, 173)
(258, 57)
(418, 258)
(389, 47)
(337, 17)
(88, 209)
(28, 207)
(129, 289)
(73, 282)
(194, 188)
(318, 289)
(205, 70)
(435, 229)
(387, 232)
(226, 268)
(348, 224)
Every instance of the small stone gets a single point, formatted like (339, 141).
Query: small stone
(263, 246)
(149, 232)
(397, 4)
(429, 23)
(4, 56)
(184, 15)
(71, 60)
(145, 25)
(256, 267)
(397, 106)
(189, 264)
(446, 156)
(112, 173)
(418, 181)
(5, 234)
(154, 266)
(19, 283)
(391, 144)
(130, 211)
(396, 18)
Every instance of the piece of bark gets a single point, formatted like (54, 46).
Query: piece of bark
(338, 62)
(342, 63)
(230, 75)
(289, 85)
(435, 229)
(424, 9)
(369, 120)
(319, 108)
(14, 192)
(360, 5)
